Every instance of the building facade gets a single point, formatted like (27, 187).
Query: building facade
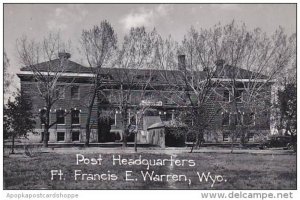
(151, 103)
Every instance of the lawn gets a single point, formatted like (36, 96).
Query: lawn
(229, 171)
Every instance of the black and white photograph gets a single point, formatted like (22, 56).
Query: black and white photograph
(150, 96)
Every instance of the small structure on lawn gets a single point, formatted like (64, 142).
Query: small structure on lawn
(167, 133)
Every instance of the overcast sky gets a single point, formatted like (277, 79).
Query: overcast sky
(36, 20)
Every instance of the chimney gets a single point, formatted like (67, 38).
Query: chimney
(64, 55)
(223, 69)
(181, 62)
(220, 64)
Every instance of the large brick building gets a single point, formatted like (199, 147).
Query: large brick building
(69, 113)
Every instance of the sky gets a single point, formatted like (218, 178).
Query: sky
(37, 20)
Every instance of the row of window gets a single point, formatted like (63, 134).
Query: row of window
(60, 136)
(226, 137)
(170, 98)
(238, 119)
(76, 136)
(60, 116)
(61, 91)
(238, 94)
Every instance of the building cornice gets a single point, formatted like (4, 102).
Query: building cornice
(91, 75)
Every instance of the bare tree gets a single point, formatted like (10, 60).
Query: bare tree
(131, 78)
(226, 58)
(99, 45)
(286, 100)
(42, 60)
(190, 84)
(251, 60)
(6, 75)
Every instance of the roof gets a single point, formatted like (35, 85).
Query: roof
(228, 71)
(167, 124)
(54, 66)
(156, 126)
(155, 75)
(149, 120)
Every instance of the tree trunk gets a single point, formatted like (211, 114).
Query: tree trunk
(200, 140)
(87, 129)
(192, 147)
(88, 120)
(46, 137)
(46, 128)
(125, 133)
(135, 142)
(13, 144)
(125, 127)
(232, 140)
(195, 143)
(87, 135)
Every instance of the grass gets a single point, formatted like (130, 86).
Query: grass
(241, 171)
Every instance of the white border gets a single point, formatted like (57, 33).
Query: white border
(139, 194)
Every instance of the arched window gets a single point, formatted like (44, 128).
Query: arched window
(226, 96)
(43, 115)
(60, 117)
(238, 118)
(249, 118)
(75, 116)
(225, 120)
(238, 95)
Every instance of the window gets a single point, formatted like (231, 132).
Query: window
(226, 137)
(238, 119)
(105, 97)
(238, 138)
(168, 116)
(238, 95)
(75, 92)
(135, 98)
(75, 136)
(106, 77)
(75, 116)
(226, 96)
(149, 95)
(139, 76)
(60, 92)
(249, 119)
(43, 116)
(60, 136)
(194, 98)
(145, 77)
(60, 117)
(266, 118)
(225, 120)
(251, 137)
